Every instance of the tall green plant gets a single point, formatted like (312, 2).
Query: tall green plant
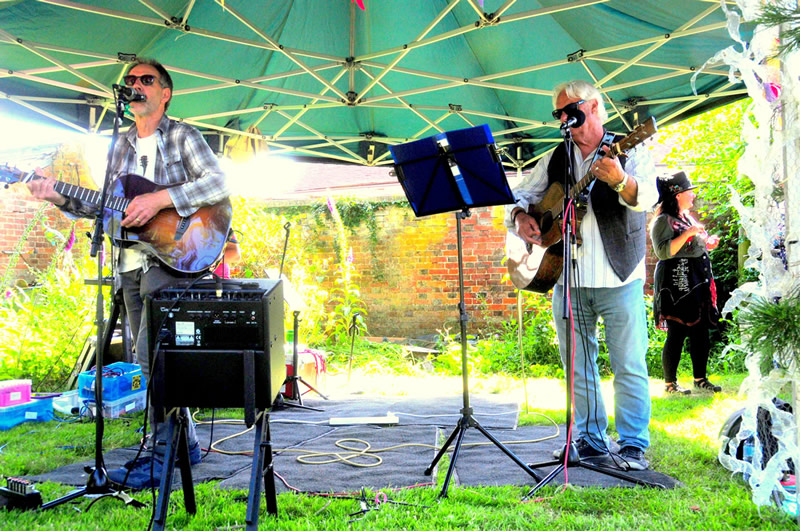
(346, 295)
(262, 235)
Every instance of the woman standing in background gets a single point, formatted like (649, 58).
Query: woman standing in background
(685, 298)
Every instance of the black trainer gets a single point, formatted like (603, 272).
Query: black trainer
(632, 458)
(703, 383)
(588, 454)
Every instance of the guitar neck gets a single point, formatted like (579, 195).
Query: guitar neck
(634, 138)
(91, 196)
(581, 185)
(574, 192)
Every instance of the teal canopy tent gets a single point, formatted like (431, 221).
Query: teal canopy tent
(324, 78)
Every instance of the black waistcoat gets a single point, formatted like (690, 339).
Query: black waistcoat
(621, 229)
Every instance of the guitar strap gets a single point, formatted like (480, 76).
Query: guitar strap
(557, 165)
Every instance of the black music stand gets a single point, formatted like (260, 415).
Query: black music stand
(455, 171)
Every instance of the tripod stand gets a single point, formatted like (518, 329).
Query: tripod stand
(293, 380)
(449, 172)
(569, 456)
(467, 420)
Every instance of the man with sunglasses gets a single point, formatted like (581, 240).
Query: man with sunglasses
(168, 153)
(607, 278)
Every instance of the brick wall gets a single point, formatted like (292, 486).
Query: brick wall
(409, 278)
(18, 209)
(416, 289)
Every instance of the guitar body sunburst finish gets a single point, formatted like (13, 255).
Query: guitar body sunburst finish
(186, 244)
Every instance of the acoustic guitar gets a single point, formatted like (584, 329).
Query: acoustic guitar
(186, 244)
(537, 268)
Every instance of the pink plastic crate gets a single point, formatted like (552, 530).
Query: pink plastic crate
(14, 392)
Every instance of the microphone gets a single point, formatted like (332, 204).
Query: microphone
(575, 118)
(128, 93)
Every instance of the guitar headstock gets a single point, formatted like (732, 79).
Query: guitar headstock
(9, 175)
(639, 134)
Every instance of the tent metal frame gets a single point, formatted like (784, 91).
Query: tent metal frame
(365, 79)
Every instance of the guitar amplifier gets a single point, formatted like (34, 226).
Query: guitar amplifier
(210, 337)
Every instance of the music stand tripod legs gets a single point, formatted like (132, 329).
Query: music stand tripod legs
(467, 420)
(177, 447)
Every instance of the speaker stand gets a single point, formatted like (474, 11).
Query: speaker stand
(291, 383)
(177, 446)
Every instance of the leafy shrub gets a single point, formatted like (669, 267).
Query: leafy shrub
(539, 342)
(43, 328)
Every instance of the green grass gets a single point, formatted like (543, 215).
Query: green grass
(684, 445)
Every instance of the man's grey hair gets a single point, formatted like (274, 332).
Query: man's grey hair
(583, 90)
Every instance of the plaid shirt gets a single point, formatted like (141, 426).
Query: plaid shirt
(183, 158)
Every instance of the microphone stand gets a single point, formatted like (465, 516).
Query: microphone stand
(98, 482)
(291, 381)
(285, 245)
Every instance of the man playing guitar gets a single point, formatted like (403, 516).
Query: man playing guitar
(168, 153)
(609, 277)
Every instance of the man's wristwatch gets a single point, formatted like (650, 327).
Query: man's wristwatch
(621, 185)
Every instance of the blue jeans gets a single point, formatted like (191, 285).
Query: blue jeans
(623, 313)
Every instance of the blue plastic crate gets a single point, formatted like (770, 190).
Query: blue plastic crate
(37, 410)
(119, 380)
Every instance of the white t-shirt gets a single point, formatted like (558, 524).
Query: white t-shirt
(146, 152)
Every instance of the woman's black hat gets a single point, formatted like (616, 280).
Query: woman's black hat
(671, 185)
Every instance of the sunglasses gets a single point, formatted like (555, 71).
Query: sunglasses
(147, 80)
(556, 113)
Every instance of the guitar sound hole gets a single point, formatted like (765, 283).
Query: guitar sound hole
(546, 223)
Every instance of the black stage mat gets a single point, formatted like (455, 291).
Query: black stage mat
(487, 465)
(213, 466)
(491, 411)
(399, 467)
(291, 426)
(395, 457)
(299, 429)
